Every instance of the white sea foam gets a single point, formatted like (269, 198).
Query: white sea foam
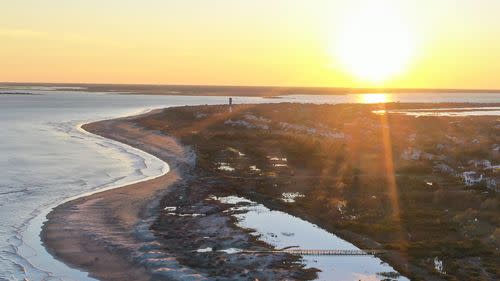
(47, 159)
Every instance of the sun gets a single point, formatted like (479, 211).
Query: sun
(373, 43)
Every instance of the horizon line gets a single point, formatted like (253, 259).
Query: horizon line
(333, 88)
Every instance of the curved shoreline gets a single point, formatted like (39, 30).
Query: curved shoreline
(120, 213)
(117, 222)
(38, 261)
(112, 237)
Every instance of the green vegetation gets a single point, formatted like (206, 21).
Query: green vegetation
(371, 179)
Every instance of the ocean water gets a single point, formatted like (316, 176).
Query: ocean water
(446, 112)
(46, 159)
(403, 97)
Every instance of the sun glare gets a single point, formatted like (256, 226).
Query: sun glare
(373, 98)
(374, 43)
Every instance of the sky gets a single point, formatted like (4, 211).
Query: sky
(426, 44)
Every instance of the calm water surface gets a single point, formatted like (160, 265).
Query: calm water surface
(46, 159)
(284, 230)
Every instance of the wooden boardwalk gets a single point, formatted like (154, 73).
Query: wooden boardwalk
(311, 252)
(305, 252)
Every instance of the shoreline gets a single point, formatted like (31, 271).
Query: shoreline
(115, 227)
(222, 90)
(34, 254)
(73, 249)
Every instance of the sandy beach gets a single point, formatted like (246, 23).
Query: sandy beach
(120, 234)
(97, 233)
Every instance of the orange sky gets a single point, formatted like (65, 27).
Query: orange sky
(455, 43)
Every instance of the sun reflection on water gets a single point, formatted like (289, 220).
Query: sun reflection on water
(373, 98)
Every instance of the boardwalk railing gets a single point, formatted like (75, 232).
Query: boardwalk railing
(306, 252)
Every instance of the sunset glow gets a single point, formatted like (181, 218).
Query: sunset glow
(352, 140)
(373, 98)
(324, 43)
(374, 43)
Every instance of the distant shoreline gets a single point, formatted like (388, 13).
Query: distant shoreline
(17, 93)
(215, 90)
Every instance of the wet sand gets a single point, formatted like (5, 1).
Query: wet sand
(122, 234)
(102, 232)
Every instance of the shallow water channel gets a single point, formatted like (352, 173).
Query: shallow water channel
(282, 230)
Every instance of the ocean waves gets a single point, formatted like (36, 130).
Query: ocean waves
(46, 161)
